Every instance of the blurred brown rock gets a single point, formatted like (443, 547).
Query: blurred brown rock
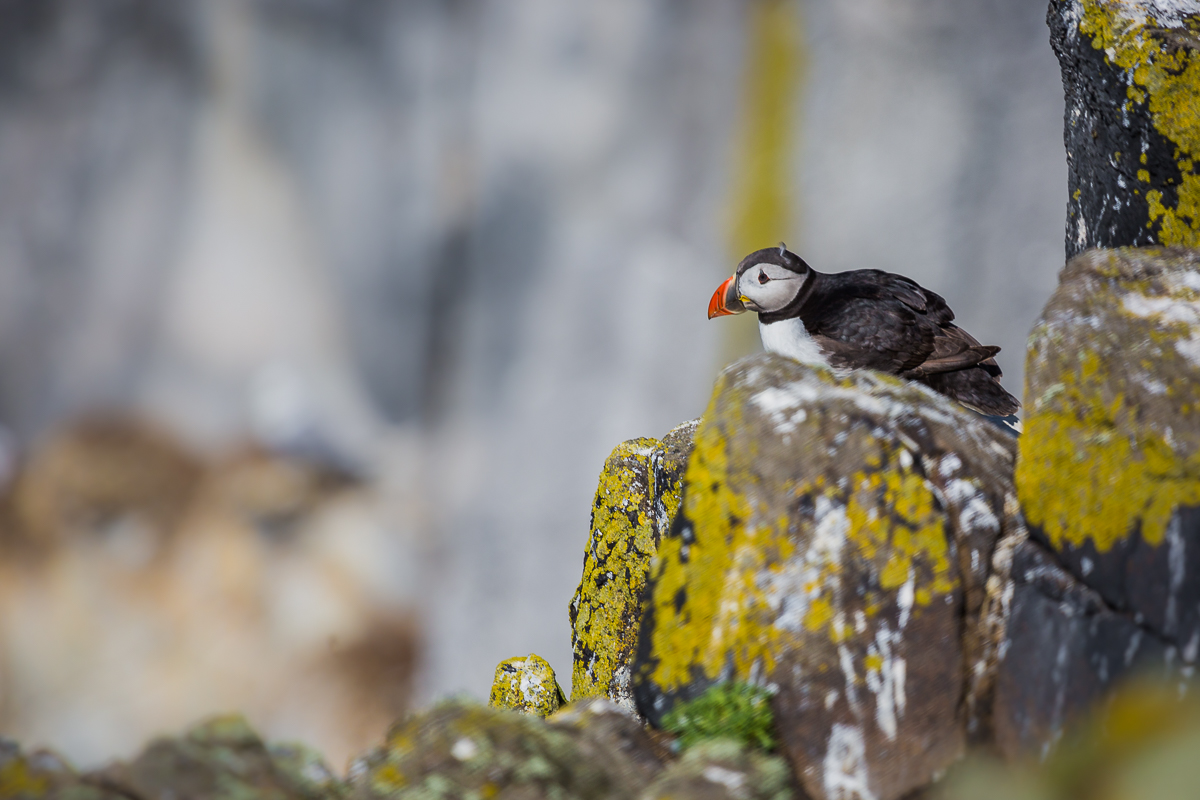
(43, 775)
(218, 759)
(143, 587)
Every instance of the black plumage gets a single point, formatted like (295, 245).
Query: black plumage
(870, 319)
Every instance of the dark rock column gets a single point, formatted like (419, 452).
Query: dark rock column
(1131, 75)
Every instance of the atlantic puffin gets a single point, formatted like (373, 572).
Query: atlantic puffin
(863, 319)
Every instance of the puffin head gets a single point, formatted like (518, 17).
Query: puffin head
(766, 281)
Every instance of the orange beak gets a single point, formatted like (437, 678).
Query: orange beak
(725, 300)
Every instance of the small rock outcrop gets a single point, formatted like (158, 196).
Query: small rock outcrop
(42, 775)
(219, 758)
(636, 500)
(223, 757)
(724, 770)
(834, 543)
(528, 685)
(465, 750)
(1109, 481)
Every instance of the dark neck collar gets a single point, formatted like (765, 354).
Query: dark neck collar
(793, 309)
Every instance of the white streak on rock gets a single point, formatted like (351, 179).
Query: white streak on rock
(887, 683)
(950, 465)
(847, 663)
(1177, 569)
(845, 765)
(905, 597)
(464, 749)
(731, 780)
(790, 591)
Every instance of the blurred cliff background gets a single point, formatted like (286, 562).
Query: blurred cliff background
(318, 319)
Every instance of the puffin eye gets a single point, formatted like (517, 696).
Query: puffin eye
(762, 276)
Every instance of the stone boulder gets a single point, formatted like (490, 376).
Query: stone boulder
(1109, 482)
(528, 685)
(636, 500)
(834, 544)
(459, 749)
(222, 758)
(724, 770)
(42, 775)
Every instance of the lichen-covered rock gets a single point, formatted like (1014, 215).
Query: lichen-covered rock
(1131, 70)
(724, 770)
(1109, 470)
(461, 750)
(526, 684)
(222, 758)
(833, 543)
(42, 775)
(635, 503)
(1108, 479)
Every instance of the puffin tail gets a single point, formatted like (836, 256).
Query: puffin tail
(978, 388)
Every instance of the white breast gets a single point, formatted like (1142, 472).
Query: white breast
(789, 338)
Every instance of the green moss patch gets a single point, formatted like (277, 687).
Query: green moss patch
(737, 711)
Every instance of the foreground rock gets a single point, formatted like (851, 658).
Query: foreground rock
(34, 776)
(466, 750)
(635, 503)
(834, 543)
(221, 758)
(1109, 482)
(724, 770)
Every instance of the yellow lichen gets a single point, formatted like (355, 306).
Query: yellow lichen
(1167, 77)
(622, 542)
(526, 684)
(17, 781)
(712, 600)
(1090, 469)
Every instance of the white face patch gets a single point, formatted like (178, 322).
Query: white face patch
(769, 287)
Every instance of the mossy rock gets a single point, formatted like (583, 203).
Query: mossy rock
(43, 775)
(526, 684)
(636, 500)
(462, 750)
(833, 543)
(224, 758)
(723, 769)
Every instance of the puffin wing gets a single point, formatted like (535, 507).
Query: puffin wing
(872, 319)
(954, 349)
(886, 335)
